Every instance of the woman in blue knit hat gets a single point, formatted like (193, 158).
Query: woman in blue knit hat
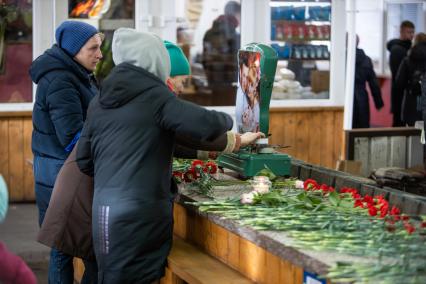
(65, 86)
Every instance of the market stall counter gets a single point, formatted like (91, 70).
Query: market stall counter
(214, 222)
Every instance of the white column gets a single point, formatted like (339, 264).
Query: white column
(43, 26)
(350, 67)
(255, 21)
(337, 52)
(158, 17)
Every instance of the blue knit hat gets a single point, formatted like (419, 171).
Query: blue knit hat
(72, 35)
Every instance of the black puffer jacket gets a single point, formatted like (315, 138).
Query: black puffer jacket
(415, 62)
(127, 143)
(364, 73)
(64, 91)
(63, 94)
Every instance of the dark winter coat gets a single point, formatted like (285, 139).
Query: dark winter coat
(414, 62)
(398, 50)
(67, 225)
(64, 91)
(364, 73)
(127, 143)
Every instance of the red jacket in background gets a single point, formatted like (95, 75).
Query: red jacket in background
(13, 270)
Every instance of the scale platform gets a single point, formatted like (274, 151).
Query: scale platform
(248, 164)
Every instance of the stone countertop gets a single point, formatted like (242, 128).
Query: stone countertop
(275, 242)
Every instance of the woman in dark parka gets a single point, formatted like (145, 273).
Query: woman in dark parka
(127, 144)
(364, 74)
(65, 86)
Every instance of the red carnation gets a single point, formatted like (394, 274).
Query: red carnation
(395, 211)
(358, 203)
(380, 199)
(178, 176)
(196, 163)
(190, 175)
(409, 228)
(383, 212)
(372, 211)
(324, 188)
(405, 217)
(310, 184)
(368, 199)
(356, 195)
(210, 167)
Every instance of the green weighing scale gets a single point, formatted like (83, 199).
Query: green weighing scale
(257, 64)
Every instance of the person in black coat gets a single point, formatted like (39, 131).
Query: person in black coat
(220, 48)
(398, 49)
(127, 144)
(408, 78)
(364, 73)
(65, 87)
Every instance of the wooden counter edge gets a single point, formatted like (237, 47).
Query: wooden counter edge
(24, 113)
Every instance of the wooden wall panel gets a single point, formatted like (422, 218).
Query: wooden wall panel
(339, 135)
(244, 256)
(15, 154)
(315, 135)
(328, 140)
(4, 150)
(16, 159)
(303, 121)
(29, 193)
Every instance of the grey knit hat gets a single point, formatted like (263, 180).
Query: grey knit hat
(142, 49)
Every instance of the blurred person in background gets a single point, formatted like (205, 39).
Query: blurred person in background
(220, 47)
(408, 81)
(364, 74)
(398, 49)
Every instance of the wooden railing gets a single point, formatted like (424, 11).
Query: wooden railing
(384, 147)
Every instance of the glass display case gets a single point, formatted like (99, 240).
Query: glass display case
(301, 35)
(107, 16)
(15, 51)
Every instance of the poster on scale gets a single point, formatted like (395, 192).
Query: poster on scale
(247, 108)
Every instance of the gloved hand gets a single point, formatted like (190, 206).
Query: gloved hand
(250, 137)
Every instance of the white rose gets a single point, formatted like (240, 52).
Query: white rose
(247, 198)
(261, 188)
(299, 184)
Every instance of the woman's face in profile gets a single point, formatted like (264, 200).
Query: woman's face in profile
(244, 78)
